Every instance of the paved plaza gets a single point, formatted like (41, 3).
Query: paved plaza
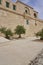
(38, 60)
(20, 52)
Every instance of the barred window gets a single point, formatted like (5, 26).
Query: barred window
(14, 7)
(35, 15)
(27, 10)
(27, 22)
(7, 4)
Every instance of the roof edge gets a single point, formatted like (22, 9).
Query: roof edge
(24, 3)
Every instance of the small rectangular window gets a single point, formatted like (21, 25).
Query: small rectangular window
(14, 7)
(0, 1)
(7, 4)
(27, 22)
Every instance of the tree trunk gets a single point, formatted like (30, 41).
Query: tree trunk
(6, 36)
(41, 38)
(20, 36)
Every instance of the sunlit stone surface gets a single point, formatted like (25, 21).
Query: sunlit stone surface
(38, 60)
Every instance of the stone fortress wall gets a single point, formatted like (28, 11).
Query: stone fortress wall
(18, 13)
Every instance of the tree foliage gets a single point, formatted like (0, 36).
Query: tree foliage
(3, 29)
(40, 34)
(20, 30)
(6, 32)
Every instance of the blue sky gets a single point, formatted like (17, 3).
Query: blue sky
(36, 4)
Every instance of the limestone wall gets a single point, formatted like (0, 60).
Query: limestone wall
(10, 18)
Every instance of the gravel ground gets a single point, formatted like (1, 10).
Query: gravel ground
(19, 52)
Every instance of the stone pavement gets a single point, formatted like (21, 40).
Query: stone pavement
(19, 52)
(38, 59)
(2, 39)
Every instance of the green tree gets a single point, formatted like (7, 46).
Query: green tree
(40, 34)
(7, 32)
(2, 29)
(20, 30)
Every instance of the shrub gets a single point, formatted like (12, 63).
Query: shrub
(40, 34)
(20, 30)
(2, 29)
(7, 32)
